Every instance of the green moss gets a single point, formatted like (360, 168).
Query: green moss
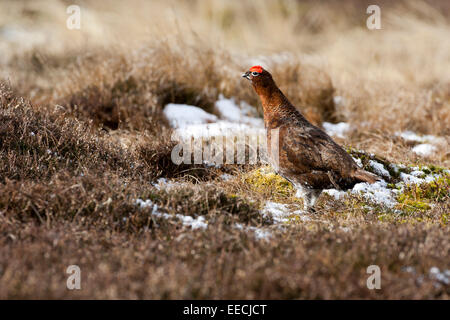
(436, 190)
(410, 205)
(431, 168)
(294, 219)
(418, 197)
(392, 186)
(263, 180)
(444, 219)
(385, 217)
(436, 169)
(406, 218)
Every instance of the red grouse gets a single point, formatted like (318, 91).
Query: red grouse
(304, 154)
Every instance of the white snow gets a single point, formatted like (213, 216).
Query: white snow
(409, 178)
(194, 223)
(431, 177)
(379, 168)
(145, 203)
(417, 173)
(194, 122)
(277, 211)
(163, 183)
(441, 276)
(338, 130)
(418, 176)
(182, 115)
(337, 194)
(226, 177)
(218, 129)
(338, 100)
(427, 143)
(149, 204)
(424, 149)
(280, 213)
(260, 233)
(412, 136)
(230, 111)
(358, 162)
(232, 126)
(250, 111)
(377, 192)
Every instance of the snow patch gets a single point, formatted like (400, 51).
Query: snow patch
(194, 122)
(226, 177)
(409, 178)
(427, 143)
(163, 183)
(182, 115)
(194, 223)
(260, 233)
(424, 149)
(358, 162)
(149, 204)
(337, 194)
(377, 192)
(441, 276)
(280, 213)
(412, 136)
(230, 111)
(417, 173)
(218, 129)
(338, 130)
(197, 223)
(338, 101)
(379, 169)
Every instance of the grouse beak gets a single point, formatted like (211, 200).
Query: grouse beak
(246, 75)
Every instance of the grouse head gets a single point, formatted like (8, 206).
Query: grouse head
(258, 77)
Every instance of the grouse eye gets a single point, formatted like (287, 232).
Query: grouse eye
(254, 73)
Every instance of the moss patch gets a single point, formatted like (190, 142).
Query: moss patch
(418, 197)
(263, 180)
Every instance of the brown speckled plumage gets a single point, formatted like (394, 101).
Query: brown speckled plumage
(306, 155)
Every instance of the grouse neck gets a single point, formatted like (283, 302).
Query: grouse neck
(274, 102)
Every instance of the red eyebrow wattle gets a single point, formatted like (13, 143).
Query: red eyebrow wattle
(258, 69)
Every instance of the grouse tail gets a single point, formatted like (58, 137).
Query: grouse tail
(365, 176)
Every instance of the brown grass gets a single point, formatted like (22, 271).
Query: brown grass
(83, 136)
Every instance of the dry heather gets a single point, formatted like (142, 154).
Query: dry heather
(83, 142)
